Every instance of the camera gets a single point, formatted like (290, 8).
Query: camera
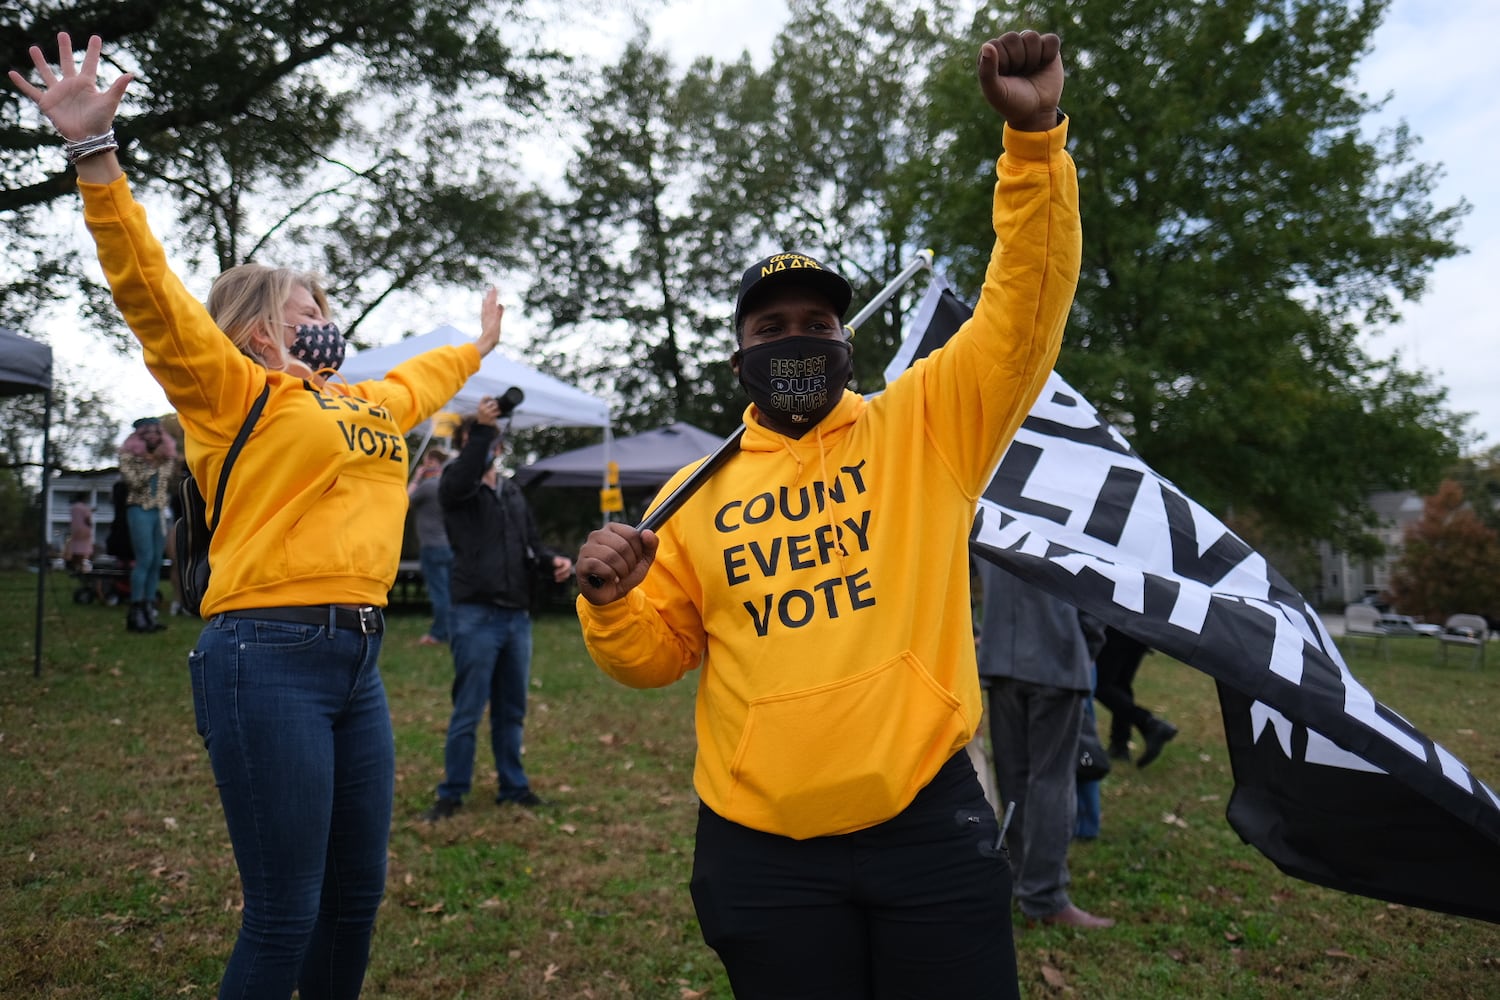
(509, 400)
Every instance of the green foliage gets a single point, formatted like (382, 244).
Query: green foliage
(83, 435)
(359, 138)
(1240, 234)
(1450, 561)
(683, 181)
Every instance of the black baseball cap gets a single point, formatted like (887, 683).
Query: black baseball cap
(784, 270)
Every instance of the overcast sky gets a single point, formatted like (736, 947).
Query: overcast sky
(1435, 59)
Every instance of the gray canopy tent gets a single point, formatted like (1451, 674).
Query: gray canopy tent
(646, 459)
(26, 367)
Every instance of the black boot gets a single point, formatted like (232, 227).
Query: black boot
(136, 620)
(152, 621)
(1158, 732)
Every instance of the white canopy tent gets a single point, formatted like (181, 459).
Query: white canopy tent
(549, 401)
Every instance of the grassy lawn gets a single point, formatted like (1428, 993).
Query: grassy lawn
(116, 878)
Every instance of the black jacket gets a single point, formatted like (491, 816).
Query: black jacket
(494, 538)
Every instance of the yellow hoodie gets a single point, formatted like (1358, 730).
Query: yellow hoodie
(316, 502)
(823, 583)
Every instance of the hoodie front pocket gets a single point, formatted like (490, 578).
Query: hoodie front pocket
(842, 756)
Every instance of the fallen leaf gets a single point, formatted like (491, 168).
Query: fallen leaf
(550, 973)
(1054, 978)
(687, 994)
(568, 828)
(1232, 937)
(169, 822)
(434, 908)
(1337, 953)
(607, 739)
(1176, 955)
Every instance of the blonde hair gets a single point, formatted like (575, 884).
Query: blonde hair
(253, 297)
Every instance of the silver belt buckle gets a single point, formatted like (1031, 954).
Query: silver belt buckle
(369, 620)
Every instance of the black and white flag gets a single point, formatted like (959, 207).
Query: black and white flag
(1332, 786)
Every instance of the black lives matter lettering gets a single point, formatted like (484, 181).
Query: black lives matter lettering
(359, 436)
(804, 539)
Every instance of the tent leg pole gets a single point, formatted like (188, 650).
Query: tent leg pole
(42, 560)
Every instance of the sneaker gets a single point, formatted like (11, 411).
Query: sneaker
(441, 810)
(527, 799)
(428, 640)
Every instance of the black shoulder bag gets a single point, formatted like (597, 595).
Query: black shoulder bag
(194, 529)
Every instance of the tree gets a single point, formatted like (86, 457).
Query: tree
(321, 133)
(82, 434)
(1450, 561)
(621, 253)
(1240, 234)
(683, 180)
(1479, 476)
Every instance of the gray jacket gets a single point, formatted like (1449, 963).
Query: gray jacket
(1028, 635)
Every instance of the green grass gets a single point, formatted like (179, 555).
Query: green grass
(116, 878)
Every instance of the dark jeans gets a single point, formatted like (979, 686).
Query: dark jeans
(1114, 686)
(1034, 734)
(297, 729)
(437, 564)
(916, 907)
(491, 665)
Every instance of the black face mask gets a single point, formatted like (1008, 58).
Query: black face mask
(796, 381)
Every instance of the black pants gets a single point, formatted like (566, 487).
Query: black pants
(1117, 663)
(917, 908)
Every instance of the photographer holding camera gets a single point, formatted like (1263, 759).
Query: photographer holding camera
(495, 542)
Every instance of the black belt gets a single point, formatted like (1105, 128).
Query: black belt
(368, 620)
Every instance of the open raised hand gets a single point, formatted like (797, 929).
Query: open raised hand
(490, 314)
(1021, 74)
(71, 98)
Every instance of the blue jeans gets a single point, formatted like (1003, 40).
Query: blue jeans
(491, 664)
(1090, 805)
(297, 729)
(149, 540)
(437, 564)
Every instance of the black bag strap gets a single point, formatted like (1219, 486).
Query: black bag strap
(234, 452)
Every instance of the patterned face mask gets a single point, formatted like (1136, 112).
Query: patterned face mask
(796, 381)
(318, 346)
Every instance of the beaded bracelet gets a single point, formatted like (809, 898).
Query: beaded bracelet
(92, 145)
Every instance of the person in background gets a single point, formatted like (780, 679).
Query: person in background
(1119, 661)
(490, 618)
(147, 464)
(1090, 801)
(286, 686)
(79, 552)
(432, 539)
(819, 583)
(1035, 664)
